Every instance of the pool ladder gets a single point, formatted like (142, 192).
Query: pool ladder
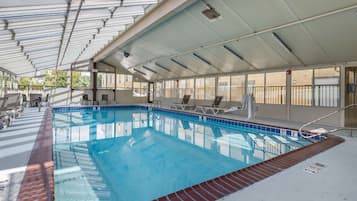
(324, 117)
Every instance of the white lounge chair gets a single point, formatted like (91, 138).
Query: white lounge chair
(216, 110)
(13, 105)
(184, 103)
(4, 116)
(203, 108)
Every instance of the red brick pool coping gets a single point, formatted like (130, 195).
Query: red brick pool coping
(224, 185)
(38, 181)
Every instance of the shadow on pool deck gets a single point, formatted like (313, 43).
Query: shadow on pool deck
(27, 142)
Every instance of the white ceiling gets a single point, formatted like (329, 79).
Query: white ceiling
(38, 34)
(317, 31)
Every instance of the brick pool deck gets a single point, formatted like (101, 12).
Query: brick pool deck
(38, 181)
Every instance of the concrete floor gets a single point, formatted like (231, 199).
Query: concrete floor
(16, 143)
(336, 182)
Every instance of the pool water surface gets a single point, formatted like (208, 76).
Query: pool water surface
(133, 154)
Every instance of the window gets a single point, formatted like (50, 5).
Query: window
(200, 89)
(124, 81)
(301, 87)
(2, 85)
(80, 80)
(106, 80)
(186, 87)
(159, 86)
(327, 87)
(256, 87)
(224, 85)
(237, 87)
(275, 89)
(170, 88)
(210, 88)
(140, 89)
(55, 78)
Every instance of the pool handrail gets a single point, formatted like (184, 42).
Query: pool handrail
(321, 118)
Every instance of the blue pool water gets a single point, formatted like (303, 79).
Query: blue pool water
(132, 154)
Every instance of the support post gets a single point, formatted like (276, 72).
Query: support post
(94, 83)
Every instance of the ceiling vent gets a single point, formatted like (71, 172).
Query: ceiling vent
(210, 13)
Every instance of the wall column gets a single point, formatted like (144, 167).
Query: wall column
(288, 93)
(94, 81)
(342, 94)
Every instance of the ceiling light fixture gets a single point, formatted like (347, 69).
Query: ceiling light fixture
(281, 42)
(149, 69)
(202, 59)
(179, 63)
(233, 52)
(163, 67)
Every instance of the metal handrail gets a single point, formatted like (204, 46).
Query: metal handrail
(321, 118)
(344, 128)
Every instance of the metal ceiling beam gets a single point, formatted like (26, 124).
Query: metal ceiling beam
(153, 17)
(70, 34)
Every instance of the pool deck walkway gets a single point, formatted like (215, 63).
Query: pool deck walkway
(25, 157)
(335, 182)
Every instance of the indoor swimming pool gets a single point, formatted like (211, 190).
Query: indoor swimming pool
(138, 153)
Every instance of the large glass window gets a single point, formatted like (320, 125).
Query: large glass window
(2, 85)
(106, 80)
(237, 87)
(275, 89)
(224, 85)
(55, 78)
(80, 80)
(124, 81)
(170, 88)
(159, 86)
(200, 89)
(140, 89)
(301, 87)
(210, 88)
(256, 87)
(186, 87)
(327, 87)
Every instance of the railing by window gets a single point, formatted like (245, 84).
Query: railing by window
(258, 93)
(326, 95)
(301, 95)
(275, 94)
(185, 91)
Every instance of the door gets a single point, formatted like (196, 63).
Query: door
(351, 97)
(151, 92)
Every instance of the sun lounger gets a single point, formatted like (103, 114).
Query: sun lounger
(4, 116)
(13, 105)
(184, 103)
(215, 109)
(202, 108)
(35, 100)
